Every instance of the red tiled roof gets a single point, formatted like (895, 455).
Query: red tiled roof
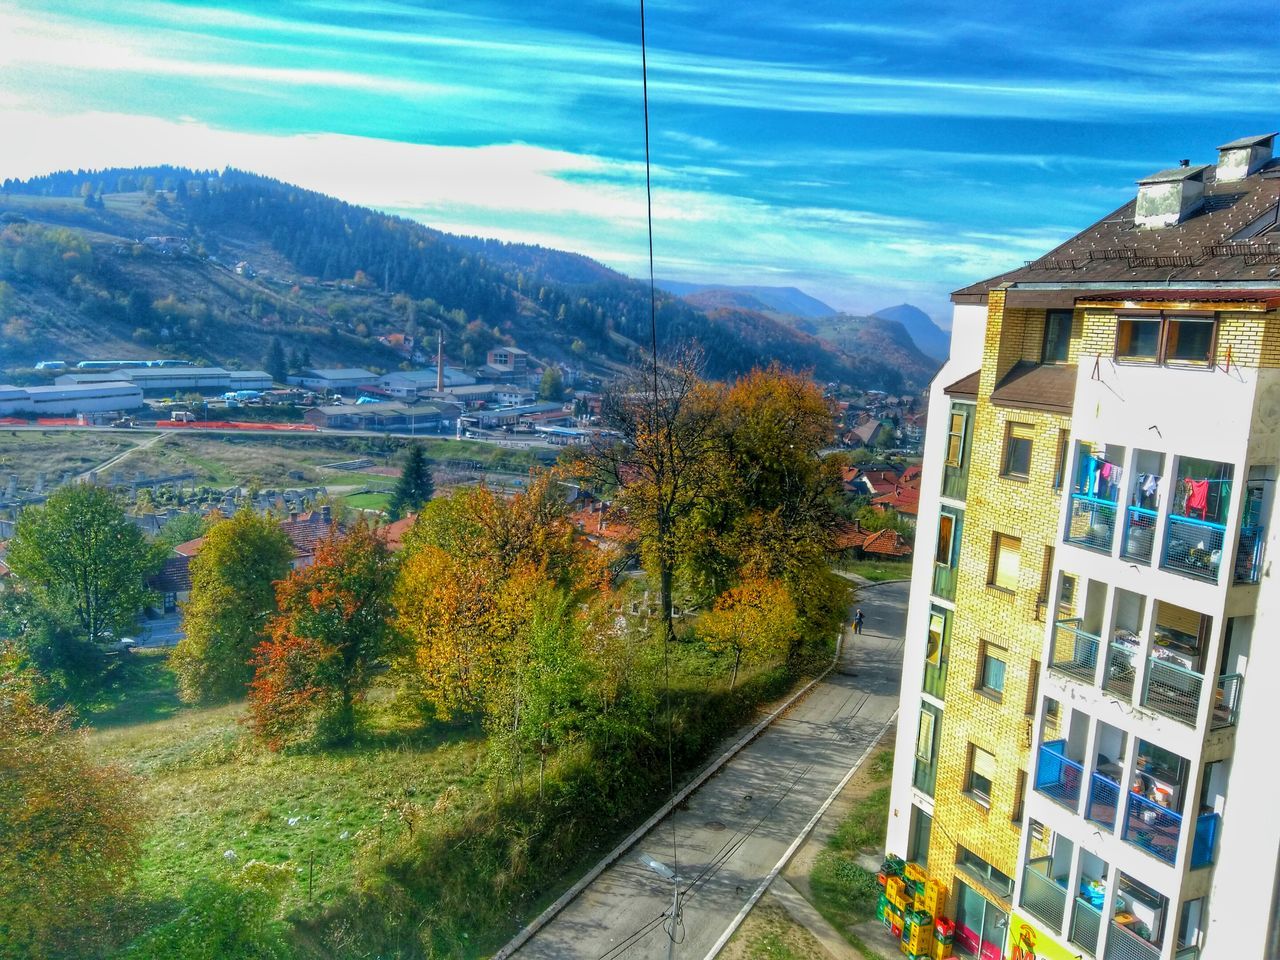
(902, 498)
(911, 475)
(304, 532)
(886, 543)
(850, 535)
(190, 548)
(392, 533)
(601, 522)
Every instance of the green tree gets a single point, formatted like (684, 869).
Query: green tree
(551, 387)
(81, 555)
(275, 362)
(70, 832)
(415, 487)
(333, 629)
(181, 529)
(233, 581)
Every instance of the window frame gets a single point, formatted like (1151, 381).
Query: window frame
(993, 575)
(950, 520)
(971, 787)
(1049, 317)
(985, 654)
(1061, 457)
(956, 439)
(1166, 335)
(1019, 433)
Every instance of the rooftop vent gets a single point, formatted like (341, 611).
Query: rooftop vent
(1168, 197)
(1239, 158)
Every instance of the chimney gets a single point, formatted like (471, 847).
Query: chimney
(1240, 158)
(440, 362)
(325, 515)
(293, 516)
(1170, 196)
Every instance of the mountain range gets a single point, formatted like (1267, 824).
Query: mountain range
(210, 266)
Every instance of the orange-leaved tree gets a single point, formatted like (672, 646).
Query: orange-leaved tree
(70, 831)
(333, 627)
(754, 620)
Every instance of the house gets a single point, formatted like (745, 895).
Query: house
(600, 522)
(385, 416)
(869, 433)
(903, 499)
(393, 532)
(344, 380)
(853, 539)
(505, 364)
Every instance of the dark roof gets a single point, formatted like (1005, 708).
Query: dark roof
(306, 531)
(966, 386)
(1037, 387)
(1232, 238)
(173, 577)
(1248, 141)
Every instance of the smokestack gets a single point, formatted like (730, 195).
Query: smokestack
(440, 362)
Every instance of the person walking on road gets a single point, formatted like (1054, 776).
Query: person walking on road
(857, 621)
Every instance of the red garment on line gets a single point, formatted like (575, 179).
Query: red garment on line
(1198, 497)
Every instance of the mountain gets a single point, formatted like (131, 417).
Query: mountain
(210, 266)
(789, 300)
(876, 340)
(931, 340)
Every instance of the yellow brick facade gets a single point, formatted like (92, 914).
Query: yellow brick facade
(985, 614)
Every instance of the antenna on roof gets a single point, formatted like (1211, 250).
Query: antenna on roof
(1184, 163)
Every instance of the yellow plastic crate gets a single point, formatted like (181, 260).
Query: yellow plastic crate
(935, 898)
(913, 871)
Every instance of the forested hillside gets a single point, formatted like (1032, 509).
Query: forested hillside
(244, 258)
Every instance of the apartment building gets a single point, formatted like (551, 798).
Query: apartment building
(1085, 744)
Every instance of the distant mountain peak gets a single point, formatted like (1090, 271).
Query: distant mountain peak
(789, 300)
(931, 340)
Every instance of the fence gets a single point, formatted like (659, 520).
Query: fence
(1057, 775)
(1092, 522)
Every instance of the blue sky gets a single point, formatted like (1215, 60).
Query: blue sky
(866, 153)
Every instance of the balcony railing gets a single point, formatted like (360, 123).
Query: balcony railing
(1152, 827)
(1205, 843)
(1120, 669)
(1173, 690)
(1075, 652)
(1042, 895)
(1104, 799)
(1086, 924)
(944, 581)
(1057, 775)
(1190, 952)
(1092, 522)
(1139, 534)
(1249, 553)
(1124, 945)
(1194, 547)
(1226, 701)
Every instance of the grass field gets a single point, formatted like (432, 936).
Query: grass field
(769, 933)
(29, 452)
(879, 570)
(207, 789)
(369, 501)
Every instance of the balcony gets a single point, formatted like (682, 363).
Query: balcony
(1139, 534)
(1152, 828)
(1075, 652)
(1086, 925)
(1104, 800)
(1226, 701)
(1120, 669)
(1042, 895)
(1172, 690)
(1205, 843)
(944, 581)
(1059, 777)
(1194, 547)
(1124, 945)
(1249, 553)
(1092, 522)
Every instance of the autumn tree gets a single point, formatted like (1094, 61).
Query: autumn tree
(333, 628)
(415, 487)
(80, 554)
(70, 831)
(233, 581)
(657, 452)
(754, 621)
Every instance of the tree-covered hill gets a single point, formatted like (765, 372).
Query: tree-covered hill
(242, 258)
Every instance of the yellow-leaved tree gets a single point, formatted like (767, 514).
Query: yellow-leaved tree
(755, 621)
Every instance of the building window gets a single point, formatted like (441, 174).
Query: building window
(983, 872)
(946, 539)
(921, 831)
(1017, 450)
(926, 771)
(982, 773)
(935, 661)
(1005, 554)
(1173, 338)
(1019, 795)
(1057, 336)
(991, 666)
(1060, 459)
(955, 438)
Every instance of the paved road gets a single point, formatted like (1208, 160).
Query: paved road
(734, 829)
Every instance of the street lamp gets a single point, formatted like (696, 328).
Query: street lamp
(675, 922)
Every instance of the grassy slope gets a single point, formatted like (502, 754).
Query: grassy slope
(27, 453)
